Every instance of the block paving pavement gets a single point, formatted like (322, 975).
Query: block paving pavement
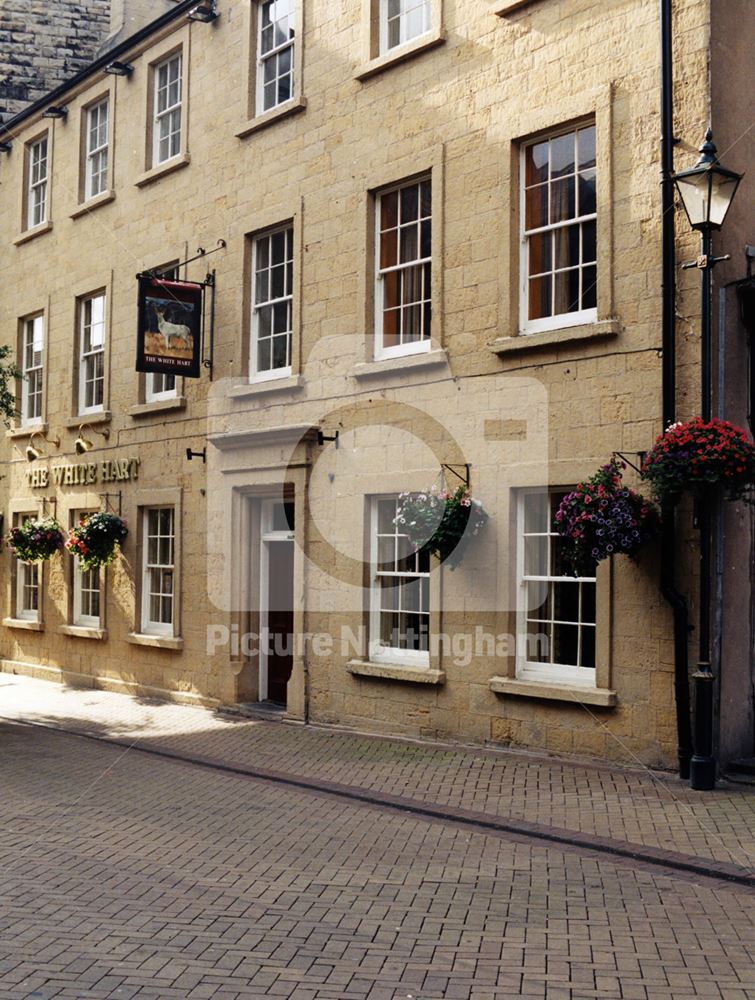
(127, 875)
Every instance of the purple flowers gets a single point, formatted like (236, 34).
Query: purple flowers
(601, 517)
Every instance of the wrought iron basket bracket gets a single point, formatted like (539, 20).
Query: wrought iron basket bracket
(454, 470)
(106, 497)
(640, 455)
(45, 502)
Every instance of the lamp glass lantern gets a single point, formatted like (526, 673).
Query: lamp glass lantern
(707, 189)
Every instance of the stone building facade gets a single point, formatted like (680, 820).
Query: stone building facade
(440, 258)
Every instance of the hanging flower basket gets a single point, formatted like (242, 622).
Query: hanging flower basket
(36, 541)
(437, 521)
(602, 517)
(97, 539)
(699, 454)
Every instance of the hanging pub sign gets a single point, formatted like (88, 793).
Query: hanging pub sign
(169, 334)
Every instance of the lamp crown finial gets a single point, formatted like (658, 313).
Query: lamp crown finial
(708, 150)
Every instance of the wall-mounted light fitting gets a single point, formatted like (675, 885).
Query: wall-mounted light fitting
(5, 147)
(116, 68)
(83, 445)
(32, 453)
(55, 111)
(205, 12)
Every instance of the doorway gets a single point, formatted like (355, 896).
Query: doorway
(276, 657)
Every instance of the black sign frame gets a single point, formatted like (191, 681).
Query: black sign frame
(170, 327)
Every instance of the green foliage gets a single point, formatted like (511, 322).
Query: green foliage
(96, 539)
(438, 522)
(36, 541)
(8, 374)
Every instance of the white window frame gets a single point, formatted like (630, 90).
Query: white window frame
(155, 387)
(555, 321)
(87, 357)
(258, 305)
(37, 182)
(79, 580)
(97, 148)
(28, 579)
(33, 332)
(378, 652)
(406, 9)
(273, 54)
(550, 673)
(169, 111)
(416, 346)
(148, 626)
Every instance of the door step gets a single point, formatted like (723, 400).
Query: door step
(742, 771)
(267, 711)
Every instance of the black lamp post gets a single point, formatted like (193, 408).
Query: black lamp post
(706, 191)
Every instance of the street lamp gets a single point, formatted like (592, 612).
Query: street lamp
(706, 192)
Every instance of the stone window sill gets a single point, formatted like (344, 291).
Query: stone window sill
(158, 406)
(83, 632)
(155, 173)
(89, 206)
(89, 419)
(399, 54)
(556, 338)
(30, 234)
(395, 366)
(504, 7)
(158, 641)
(291, 384)
(396, 672)
(27, 431)
(272, 116)
(573, 693)
(23, 623)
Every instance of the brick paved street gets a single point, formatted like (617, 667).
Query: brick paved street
(127, 875)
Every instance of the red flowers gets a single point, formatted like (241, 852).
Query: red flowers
(701, 453)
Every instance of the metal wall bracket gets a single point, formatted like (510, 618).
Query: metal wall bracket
(197, 454)
(48, 502)
(106, 497)
(453, 469)
(639, 454)
(322, 437)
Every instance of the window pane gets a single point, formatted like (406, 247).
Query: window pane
(589, 250)
(566, 240)
(589, 288)
(536, 512)
(562, 155)
(388, 248)
(409, 203)
(389, 210)
(540, 297)
(409, 244)
(536, 207)
(562, 200)
(536, 163)
(540, 252)
(586, 146)
(587, 193)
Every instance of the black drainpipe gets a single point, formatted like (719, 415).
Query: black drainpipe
(677, 600)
